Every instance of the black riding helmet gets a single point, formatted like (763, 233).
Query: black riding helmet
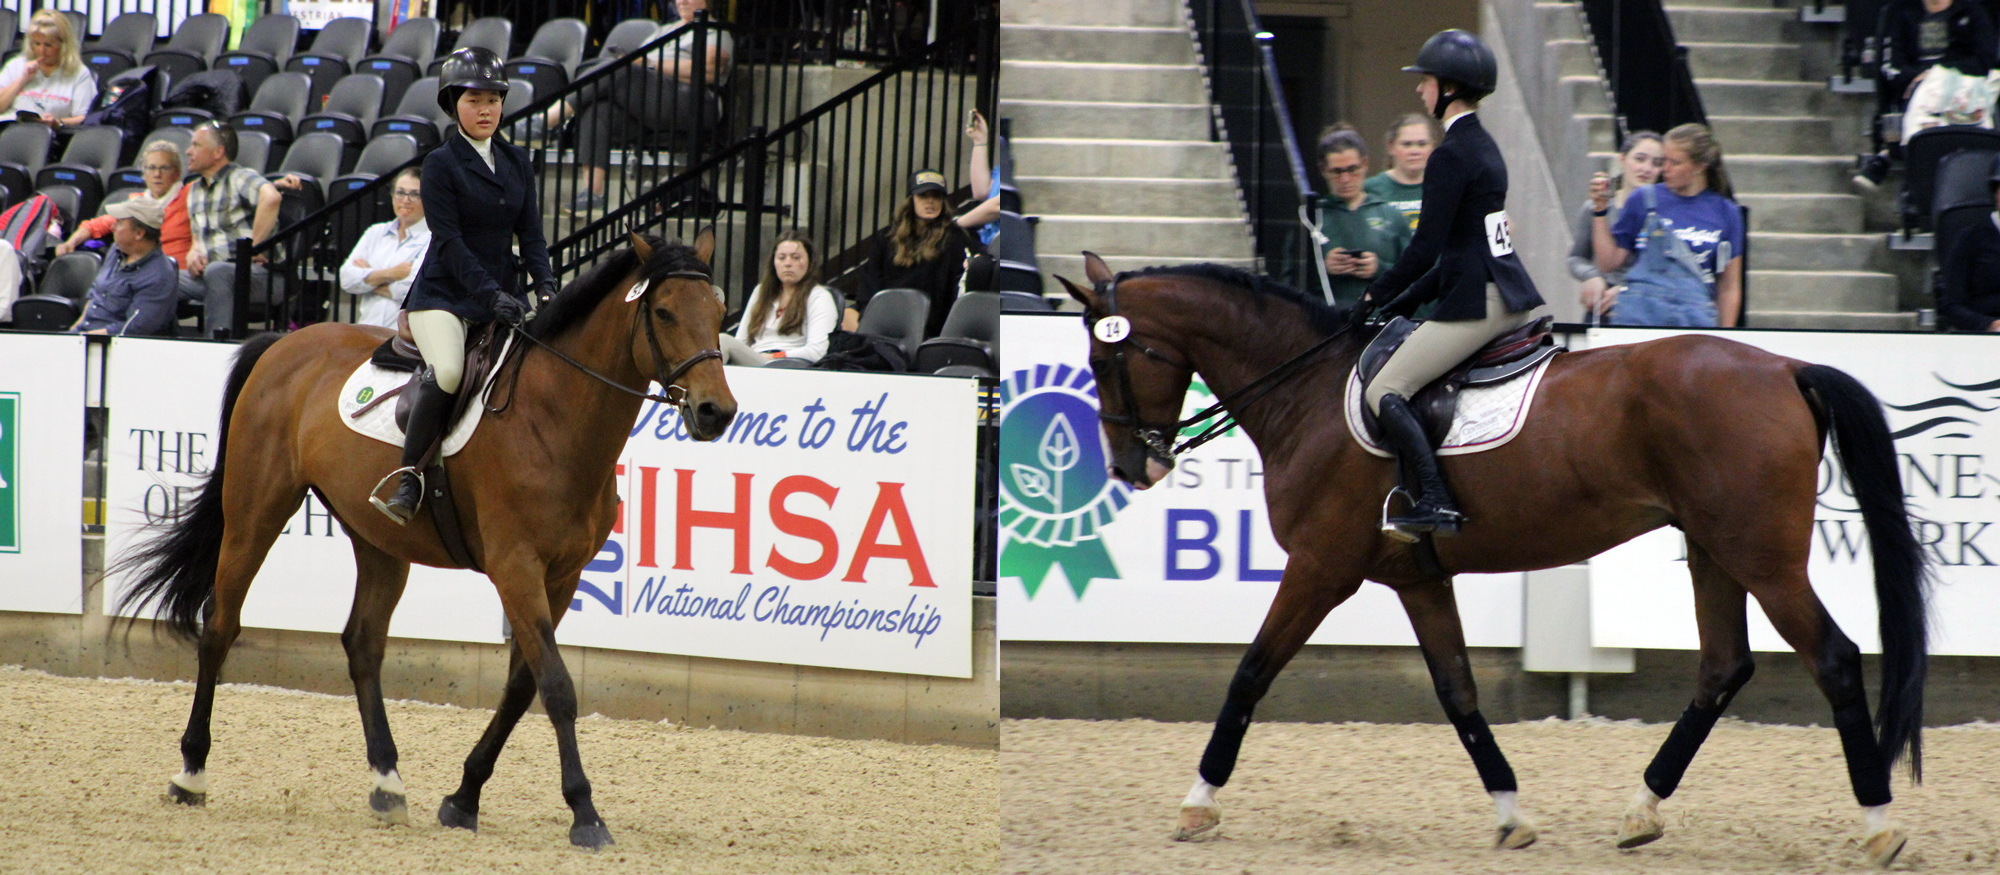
(472, 68)
(1464, 65)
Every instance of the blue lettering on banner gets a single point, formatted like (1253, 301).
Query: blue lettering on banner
(774, 605)
(1243, 569)
(872, 431)
(613, 601)
(1176, 544)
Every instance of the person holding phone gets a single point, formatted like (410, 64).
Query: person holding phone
(47, 82)
(1364, 234)
(1638, 165)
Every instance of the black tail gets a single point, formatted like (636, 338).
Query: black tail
(1868, 453)
(176, 567)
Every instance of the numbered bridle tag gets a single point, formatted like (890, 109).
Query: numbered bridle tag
(1112, 329)
(638, 288)
(1499, 234)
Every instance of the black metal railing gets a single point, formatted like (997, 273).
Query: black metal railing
(168, 13)
(1647, 71)
(1254, 121)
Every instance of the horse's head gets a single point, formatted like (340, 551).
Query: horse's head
(1142, 378)
(674, 334)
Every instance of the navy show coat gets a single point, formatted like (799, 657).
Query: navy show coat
(475, 214)
(1450, 259)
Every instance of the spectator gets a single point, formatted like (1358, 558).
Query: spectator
(1937, 60)
(1687, 236)
(1364, 233)
(225, 201)
(1402, 185)
(1970, 299)
(923, 249)
(978, 221)
(398, 245)
(1638, 165)
(160, 163)
(644, 101)
(790, 314)
(133, 293)
(48, 79)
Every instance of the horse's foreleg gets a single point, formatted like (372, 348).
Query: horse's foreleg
(1303, 600)
(378, 586)
(1433, 614)
(461, 808)
(1726, 666)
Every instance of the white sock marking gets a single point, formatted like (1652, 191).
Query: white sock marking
(1202, 796)
(1876, 816)
(1507, 805)
(193, 782)
(390, 783)
(1644, 799)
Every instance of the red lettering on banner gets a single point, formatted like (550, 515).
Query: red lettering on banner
(687, 519)
(889, 507)
(649, 499)
(618, 519)
(801, 526)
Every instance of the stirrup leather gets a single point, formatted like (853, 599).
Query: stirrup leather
(395, 513)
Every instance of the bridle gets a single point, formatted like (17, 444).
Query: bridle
(672, 393)
(1155, 436)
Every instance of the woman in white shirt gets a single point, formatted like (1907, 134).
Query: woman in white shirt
(48, 78)
(386, 259)
(790, 315)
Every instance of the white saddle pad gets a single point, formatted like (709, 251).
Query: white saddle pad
(368, 382)
(1488, 416)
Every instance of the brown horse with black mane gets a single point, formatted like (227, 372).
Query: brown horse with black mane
(535, 495)
(1623, 440)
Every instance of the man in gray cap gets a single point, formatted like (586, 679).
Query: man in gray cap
(135, 289)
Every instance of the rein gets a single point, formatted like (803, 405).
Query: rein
(1116, 331)
(672, 393)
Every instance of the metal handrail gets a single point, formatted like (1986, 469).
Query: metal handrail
(1257, 124)
(1635, 43)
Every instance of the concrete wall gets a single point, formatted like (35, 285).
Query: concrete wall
(1535, 202)
(1372, 41)
(727, 694)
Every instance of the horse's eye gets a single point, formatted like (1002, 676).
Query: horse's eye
(664, 314)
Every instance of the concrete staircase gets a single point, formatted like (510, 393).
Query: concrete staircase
(1789, 145)
(1111, 137)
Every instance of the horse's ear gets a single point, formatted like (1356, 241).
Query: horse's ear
(1081, 295)
(1095, 270)
(704, 245)
(640, 246)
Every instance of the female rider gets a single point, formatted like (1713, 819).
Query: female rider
(479, 197)
(1464, 254)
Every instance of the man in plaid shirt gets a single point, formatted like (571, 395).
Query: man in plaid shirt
(225, 201)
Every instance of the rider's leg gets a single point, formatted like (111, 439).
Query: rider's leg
(441, 337)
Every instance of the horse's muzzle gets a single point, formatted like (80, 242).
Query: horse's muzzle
(1150, 471)
(707, 420)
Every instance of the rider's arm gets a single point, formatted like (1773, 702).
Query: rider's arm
(441, 200)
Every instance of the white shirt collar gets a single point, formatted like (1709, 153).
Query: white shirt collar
(423, 226)
(483, 147)
(1454, 119)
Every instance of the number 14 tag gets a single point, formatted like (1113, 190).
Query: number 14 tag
(1499, 235)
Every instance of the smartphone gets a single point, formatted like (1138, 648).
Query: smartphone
(26, 115)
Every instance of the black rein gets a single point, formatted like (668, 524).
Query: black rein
(671, 393)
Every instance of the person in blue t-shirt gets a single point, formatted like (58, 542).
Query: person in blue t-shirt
(1680, 240)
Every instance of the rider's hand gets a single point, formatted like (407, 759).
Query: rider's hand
(508, 309)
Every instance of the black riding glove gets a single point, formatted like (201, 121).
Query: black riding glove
(508, 309)
(545, 291)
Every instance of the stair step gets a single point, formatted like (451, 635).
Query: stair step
(1180, 198)
(1573, 57)
(1822, 290)
(1126, 83)
(1195, 238)
(1779, 61)
(1803, 213)
(1844, 252)
(1825, 321)
(1560, 20)
(1123, 121)
(1123, 158)
(1774, 135)
(1586, 94)
(1121, 13)
(1159, 45)
(1717, 24)
(1790, 174)
(1761, 97)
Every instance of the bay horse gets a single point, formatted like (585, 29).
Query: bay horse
(1716, 438)
(535, 494)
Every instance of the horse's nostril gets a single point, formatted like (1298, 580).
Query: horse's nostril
(708, 411)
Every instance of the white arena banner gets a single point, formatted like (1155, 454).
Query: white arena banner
(41, 473)
(165, 398)
(1940, 392)
(1085, 558)
(316, 14)
(831, 526)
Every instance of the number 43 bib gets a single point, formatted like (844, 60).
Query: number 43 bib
(1499, 235)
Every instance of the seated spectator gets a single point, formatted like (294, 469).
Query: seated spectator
(48, 78)
(398, 246)
(1364, 234)
(1936, 61)
(1638, 165)
(225, 201)
(1410, 144)
(1970, 299)
(160, 163)
(133, 293)
(923, 249)
(644, 101)
(790, 314)
(1681, 242)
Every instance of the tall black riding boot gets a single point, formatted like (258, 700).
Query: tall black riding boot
(427, 422)
(1433, 509)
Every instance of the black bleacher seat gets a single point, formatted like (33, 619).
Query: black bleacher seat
(193, 46)
(182, 117)
(897, 315)
(126, 39)
(1921, 156)
(404, 57)
(79, 24)
(339, 44)
(349, 111)
(519, 95)
(552, 56)
(60, 298)
(316, 158)
(253, 150)
(1024, 302)
(1013, 251)
(266, 47)
(92, 154)
(384, 153)
(122, 183)
(10, 31)
(417, 117)
(962, 371)
(180, 137)
(1960, 200)
(623, 38)
(276, 108)
(970, 333)
(23, 151)
(492, 32)
(69, 204)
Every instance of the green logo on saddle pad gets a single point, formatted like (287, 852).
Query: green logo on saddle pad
(10, 472)
(1055, 492)
(366, 393)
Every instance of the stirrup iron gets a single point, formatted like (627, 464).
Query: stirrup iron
(392, 512)
(1391, 530)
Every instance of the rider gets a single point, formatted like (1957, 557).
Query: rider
(479, 197)
(1462, 256)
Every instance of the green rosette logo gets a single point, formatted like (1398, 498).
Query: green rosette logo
(10, 471)
(1056, 492)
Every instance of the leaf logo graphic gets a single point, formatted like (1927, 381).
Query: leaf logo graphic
(1031, 481)
(1059, 445)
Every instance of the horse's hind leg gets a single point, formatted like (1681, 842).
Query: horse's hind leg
(378, 586)
(1433, 614)
(1725, 667)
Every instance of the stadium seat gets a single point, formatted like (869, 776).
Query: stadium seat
(1024, 302)
(86, 164)
(60, 299)
(182, 117)
(276, 108)
(253, 150)
(492, 32)
(333, 54)
(897, 315)
(126, 39)
(552, 56)
(971, 331)
(122, 183)
(10, 31)
(315, 157)
(1921, 156)
(193, 46)
(349, 112)
(1016, 268)
(626, 36)
(404, 57)
(23, 151)
(180, 137)
(963, 371)
(264, 50)
(418, 116)
(79, 24)
(383, 155)
(68, 201)
(789, 363)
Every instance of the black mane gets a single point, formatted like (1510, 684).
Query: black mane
(582, 295)
(1323, 317)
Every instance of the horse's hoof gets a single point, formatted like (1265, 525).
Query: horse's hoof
(390, 808)
(455, 817)
(1881, 847)
(1516, 836)
(1198, 824)
(180, 795)
(1640, 827)
(590, 837)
